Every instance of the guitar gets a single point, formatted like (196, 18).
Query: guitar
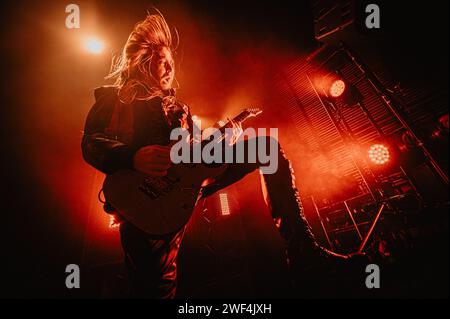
(162, 205)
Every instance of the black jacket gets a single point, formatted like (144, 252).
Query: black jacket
(109, 148)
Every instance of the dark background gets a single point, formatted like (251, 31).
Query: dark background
(47, 90)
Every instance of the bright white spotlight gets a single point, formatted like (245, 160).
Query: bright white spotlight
(94, 45)
(379, 154)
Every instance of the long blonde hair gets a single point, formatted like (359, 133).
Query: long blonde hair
(132, 68)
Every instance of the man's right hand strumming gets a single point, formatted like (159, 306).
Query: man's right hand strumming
(153, 160)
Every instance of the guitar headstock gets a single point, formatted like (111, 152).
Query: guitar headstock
(253, 111)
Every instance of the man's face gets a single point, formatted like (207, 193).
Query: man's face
(163, 68)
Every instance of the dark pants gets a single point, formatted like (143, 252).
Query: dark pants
(152, 262)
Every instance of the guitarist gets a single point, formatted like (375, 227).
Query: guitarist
(129, 127)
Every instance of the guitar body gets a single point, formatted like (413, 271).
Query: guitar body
(162, 205)
(158, 205)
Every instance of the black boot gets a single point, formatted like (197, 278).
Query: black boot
(304, 254)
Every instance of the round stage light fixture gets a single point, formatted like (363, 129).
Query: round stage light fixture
(337, 88)
(379, 154)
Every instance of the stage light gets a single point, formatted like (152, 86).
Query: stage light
(379, 154)
(337, 88)
(94, 45)
(224, 204)
(436, 134)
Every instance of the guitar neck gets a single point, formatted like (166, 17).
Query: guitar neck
(241, 117)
